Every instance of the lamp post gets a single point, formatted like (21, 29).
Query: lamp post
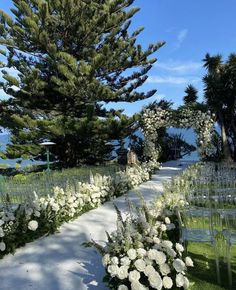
(47, 145)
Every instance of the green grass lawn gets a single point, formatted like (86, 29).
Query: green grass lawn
(204, 272)
(20, 186)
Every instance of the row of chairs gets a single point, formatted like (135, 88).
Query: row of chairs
(203, 225)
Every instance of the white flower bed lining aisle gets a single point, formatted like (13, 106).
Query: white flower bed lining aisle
(60, 262)
(44, 215)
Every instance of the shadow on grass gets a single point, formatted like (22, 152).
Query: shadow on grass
(204, 271)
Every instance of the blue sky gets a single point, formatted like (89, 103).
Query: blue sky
(190, 29)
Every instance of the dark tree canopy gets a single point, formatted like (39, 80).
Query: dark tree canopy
(70, 58)
(191, 95)
(220, 95)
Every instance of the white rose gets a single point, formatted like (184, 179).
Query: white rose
(179, 247)
(2, 246)
(167, 282)
(167, 244)
(179, 265)
(33, 225)
(134, 276)
(165, 269)
(188, 262)
(149, 270)
(180, 281)
(156, 240)
(152, 254)
(140, 265)
(29, 211)
(106, 260)
(136, 285)
(163, 228)
(167, 220)
(114, 260)
(37, 213)
(2, 234)
(171, 252)
(186, 283)
(141, 252)
(123, 287)
(132, 254)
(125, 261)
(122, 272)
(155, 281)
(160, 258)
(113, 270)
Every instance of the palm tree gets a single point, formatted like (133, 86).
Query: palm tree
(191, 95)
(216, 91)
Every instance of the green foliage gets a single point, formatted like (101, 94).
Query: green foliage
(191, 95)
(220, 88)
(70, 57)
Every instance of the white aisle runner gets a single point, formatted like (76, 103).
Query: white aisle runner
(60, 262)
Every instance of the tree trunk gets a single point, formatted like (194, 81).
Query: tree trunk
(226, 149)
(233, 126)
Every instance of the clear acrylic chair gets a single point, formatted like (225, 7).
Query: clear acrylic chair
(229, 232)
(198, 224)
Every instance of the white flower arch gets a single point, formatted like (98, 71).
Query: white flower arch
(201, 122)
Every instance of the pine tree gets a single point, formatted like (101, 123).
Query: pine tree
(70, 57)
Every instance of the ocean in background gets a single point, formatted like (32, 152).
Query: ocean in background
(188, 135)
(4, 140)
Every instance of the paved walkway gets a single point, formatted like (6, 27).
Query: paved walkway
(60, 262)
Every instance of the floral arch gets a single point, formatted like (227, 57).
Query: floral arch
(201, 122)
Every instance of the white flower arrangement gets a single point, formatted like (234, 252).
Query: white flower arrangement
(64, 205)
(152, 120)
(139, 254)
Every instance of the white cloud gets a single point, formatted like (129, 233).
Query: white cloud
(179, 67)
(182, 34)
(172, 80)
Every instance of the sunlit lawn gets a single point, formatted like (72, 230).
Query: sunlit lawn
(204, 272)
